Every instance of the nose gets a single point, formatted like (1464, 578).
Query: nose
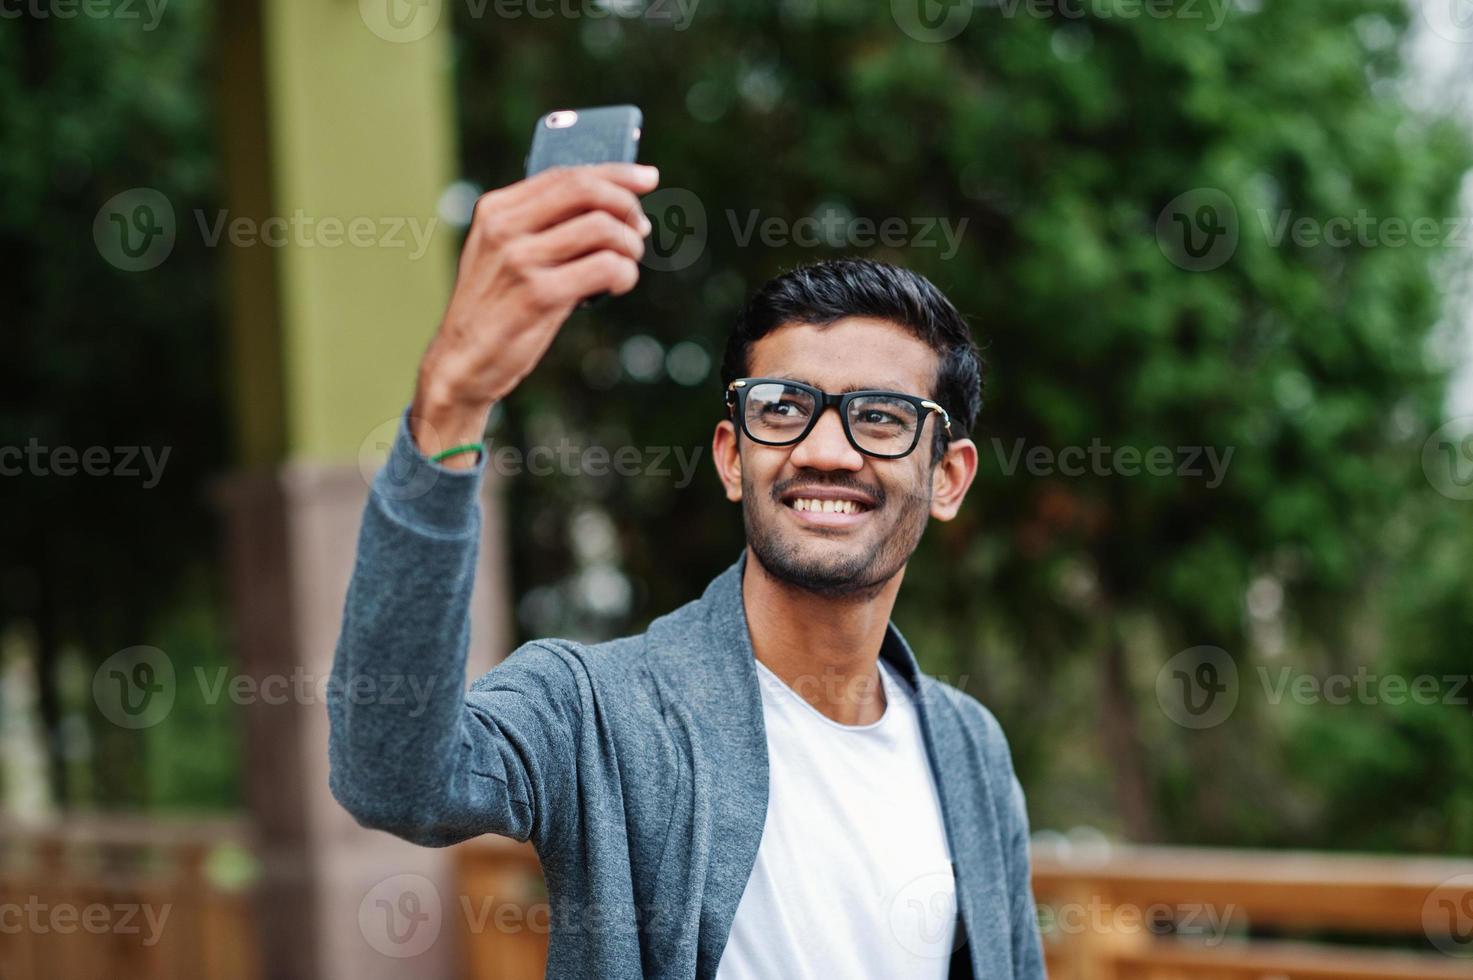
(826, 447)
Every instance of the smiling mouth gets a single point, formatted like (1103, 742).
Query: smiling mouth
(821, 505)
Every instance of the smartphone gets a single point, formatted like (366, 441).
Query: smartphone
(573, 137)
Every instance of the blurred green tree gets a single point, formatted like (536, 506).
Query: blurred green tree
(100, 357)
(1081, 144)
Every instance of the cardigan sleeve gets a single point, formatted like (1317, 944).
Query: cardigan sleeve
(411, 751)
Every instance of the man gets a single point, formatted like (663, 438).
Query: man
(762, 785)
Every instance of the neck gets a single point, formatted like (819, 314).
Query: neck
(826, 649)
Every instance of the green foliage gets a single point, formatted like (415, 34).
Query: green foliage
(1060, 140)
(96, 356)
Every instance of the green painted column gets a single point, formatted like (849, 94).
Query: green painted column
(337, 137)
(345, 138)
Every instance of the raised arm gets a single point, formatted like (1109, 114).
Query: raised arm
(410, 750)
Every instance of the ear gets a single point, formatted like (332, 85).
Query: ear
(728, 459)
(951, 477)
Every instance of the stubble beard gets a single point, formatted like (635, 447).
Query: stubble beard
(842, 573)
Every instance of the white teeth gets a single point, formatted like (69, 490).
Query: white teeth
(826, 506)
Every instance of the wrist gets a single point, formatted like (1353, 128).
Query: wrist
(438, 421)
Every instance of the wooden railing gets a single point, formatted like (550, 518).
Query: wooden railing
(1138, 913)
(133, 898)
(506, 920)
(1151, 913)
(118, 898)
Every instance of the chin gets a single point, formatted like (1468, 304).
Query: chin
(827, 568)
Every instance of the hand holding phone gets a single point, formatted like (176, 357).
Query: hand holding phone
(578, 137)
(534, 250)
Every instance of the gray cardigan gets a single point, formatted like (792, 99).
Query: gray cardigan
(637, 767)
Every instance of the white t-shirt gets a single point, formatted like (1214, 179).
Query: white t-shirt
(853, 876)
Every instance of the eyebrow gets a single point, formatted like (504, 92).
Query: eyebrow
(882, 386)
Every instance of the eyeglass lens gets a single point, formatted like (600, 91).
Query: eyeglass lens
(778, 413)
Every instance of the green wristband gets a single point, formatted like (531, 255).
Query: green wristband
(469, 447)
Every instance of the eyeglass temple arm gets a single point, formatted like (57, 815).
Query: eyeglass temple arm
(945, 419)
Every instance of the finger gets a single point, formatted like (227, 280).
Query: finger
(574, 191)
(591, 231)
(641, 178)
(498, 203)
(605, 271)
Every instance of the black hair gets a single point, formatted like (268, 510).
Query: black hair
(823, 292)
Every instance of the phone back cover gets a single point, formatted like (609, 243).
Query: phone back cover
(601, 135)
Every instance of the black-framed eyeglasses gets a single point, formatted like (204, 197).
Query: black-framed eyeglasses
(780, 412)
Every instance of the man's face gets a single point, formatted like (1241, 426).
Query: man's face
(834, 553)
